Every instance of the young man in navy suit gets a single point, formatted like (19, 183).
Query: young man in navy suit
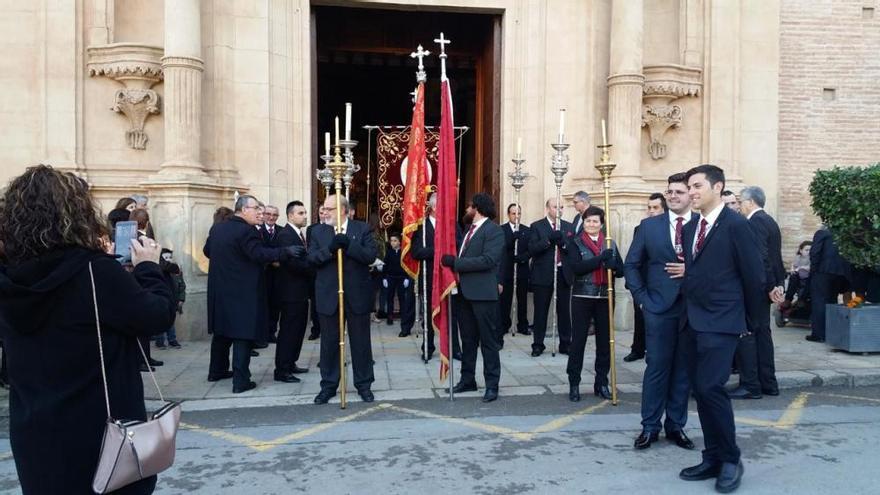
(654, 272)
(723, 290)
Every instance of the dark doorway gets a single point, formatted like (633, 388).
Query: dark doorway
(362, 56)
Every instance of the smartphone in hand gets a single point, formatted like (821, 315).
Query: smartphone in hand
(125, 232)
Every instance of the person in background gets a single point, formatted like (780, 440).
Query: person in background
(829, 277)
(269, 231)
(799, 276)
(581, 202)
(730, 201)
(178, 286)
(143, 222)
(396, 282)
(127, 204)
(223, 214)
(52, 246)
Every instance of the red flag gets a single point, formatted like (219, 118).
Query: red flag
(444, 230)
(415, 191)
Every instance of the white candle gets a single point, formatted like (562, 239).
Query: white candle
(326, 144)
(337, 131)
(604, 134)
(561, 125)
(519, 146)
(348, 121)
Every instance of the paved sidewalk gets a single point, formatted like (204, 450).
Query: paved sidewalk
(401, 374)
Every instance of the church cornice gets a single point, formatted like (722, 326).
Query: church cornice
(664, 84)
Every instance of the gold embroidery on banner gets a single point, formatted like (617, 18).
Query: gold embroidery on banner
(392, 148)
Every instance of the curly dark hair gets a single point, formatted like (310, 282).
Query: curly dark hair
(45, 209)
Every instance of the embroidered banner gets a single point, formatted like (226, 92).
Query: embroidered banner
(392, 146)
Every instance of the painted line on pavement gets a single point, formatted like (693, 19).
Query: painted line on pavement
(856, 397)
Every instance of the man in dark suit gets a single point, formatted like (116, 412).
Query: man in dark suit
(723, 285)
(516, 242)
(754, 354)
(654, 268)
(423, 250)
(269, 233)
(829, 276)
(546, 247)
(477, 267)
(237, 292)
(656, 206)
(293, 281)
(355, 244)
(581, 202)
(396, 282)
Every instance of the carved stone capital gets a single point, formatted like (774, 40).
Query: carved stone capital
(658, 119)
(663, 85)
(136, 104)
(137, 67)
(193, 63)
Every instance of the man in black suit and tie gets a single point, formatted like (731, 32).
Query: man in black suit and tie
(269, 233)
(315, 332)
(829, 276)
(423, 250)
(754, 354)
(358, 250)
(654, 269)
(723, 290)
(477, 267)
(293, 282)
(546, 246)
(581, 202)
(237, 292)
(516, 240)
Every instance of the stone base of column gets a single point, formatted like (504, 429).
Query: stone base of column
(182, 213)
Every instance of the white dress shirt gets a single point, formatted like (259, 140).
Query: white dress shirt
(467, 238)
(673, 217)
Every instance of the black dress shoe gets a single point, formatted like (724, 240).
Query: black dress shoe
(314, 336)
(366, 395)
(814, 339)
(729, 477)
(155, 362)
(645, 439)
(602, 391)
(403, 334)
(537, 352)
(680, 439)
(633, 356)
(490, 395)
(254, 353)
(524, 332)
(770, 391)
(743, 393)
(574, 393)
(324, 396)
(248, 386)
(286, 377)
(144, 368)
(260, 345)
(456, 356)
(390, 321)
(219, 376)
(296, 369)
(464, 387)
(702, 471)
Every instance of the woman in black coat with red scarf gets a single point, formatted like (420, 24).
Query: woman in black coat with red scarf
(50, 234)
(590, 261)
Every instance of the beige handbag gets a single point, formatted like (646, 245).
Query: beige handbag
(133, 450)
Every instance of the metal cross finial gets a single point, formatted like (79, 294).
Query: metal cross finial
(420, 54)
(442, 41)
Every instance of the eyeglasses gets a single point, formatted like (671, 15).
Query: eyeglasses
(670, 192)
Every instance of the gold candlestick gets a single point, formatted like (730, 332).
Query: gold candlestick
(338, 167)
(605, 167)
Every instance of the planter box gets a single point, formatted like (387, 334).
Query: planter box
(853, 330)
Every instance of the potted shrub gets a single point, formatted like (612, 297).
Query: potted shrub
(848, 202)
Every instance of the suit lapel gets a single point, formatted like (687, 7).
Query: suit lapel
(664, 234)
(712, 231)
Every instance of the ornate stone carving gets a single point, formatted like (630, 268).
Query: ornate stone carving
(137, 67)
(136, 104)
(663, 85)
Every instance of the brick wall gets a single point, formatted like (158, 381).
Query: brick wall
(833, 44)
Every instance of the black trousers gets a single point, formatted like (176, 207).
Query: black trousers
(275, 309)
(522, 308)
(709, 358)
(241, 359)
(543, 297)
(405, 300)
(638, 345)
(665, 385)
(361, 352)
(754, 356)
(824, 289)
(426, 317)
(478, 321)
(313, 313)
(585, 310)
(294, 318)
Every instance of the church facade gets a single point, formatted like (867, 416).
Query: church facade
(188, 101)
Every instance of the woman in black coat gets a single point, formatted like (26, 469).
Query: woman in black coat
(50, 234)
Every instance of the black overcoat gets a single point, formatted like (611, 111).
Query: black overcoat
(361, 252)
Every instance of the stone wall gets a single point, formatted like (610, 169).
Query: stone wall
(829, 100)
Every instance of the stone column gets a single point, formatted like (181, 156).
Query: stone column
(183, 66)
(625, 84)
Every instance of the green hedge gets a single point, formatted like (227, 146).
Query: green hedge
(848, 202)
